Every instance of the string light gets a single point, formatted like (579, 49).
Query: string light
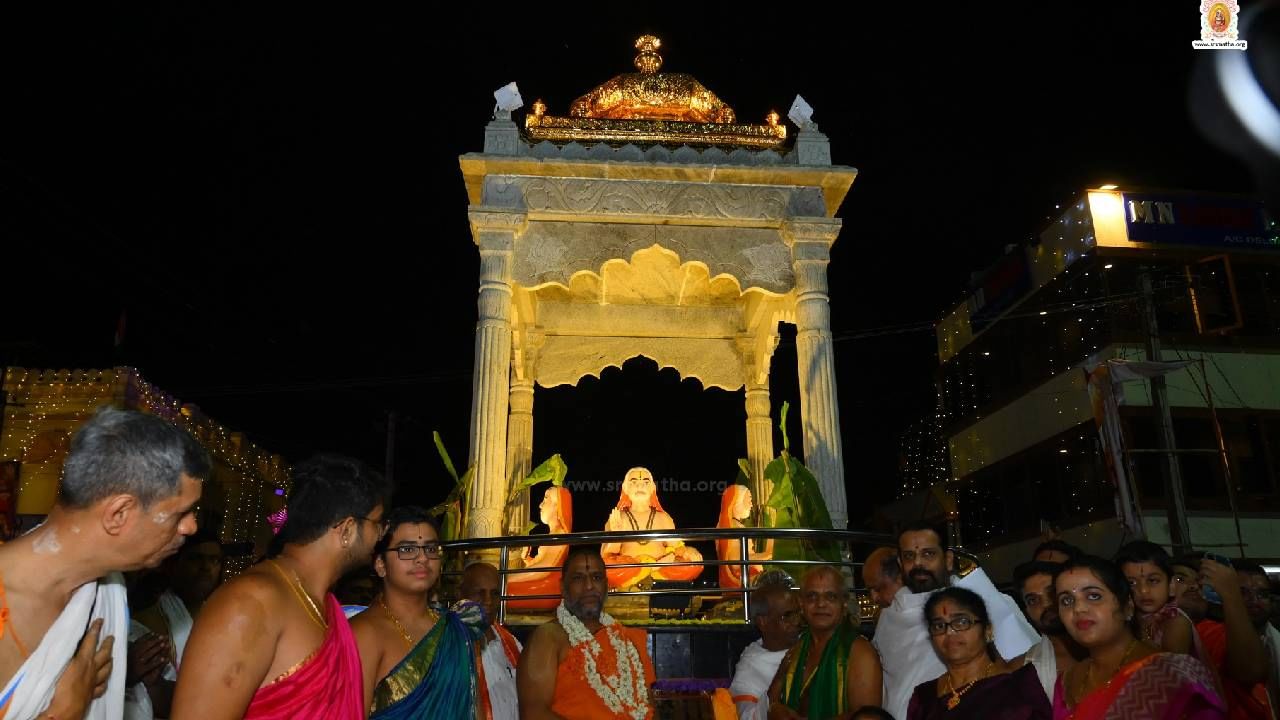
(244, 479)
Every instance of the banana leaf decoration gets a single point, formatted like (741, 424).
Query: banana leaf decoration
(552, 470)
(453, 509)
(797, 502)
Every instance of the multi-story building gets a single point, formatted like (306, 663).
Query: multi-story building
(1194, 275)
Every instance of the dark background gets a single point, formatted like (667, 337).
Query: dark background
(273, 199)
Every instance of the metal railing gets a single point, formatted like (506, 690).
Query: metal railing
(843, 539)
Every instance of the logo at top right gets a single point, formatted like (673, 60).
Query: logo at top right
(1219, 26)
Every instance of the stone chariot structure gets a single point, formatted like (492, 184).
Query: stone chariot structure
(648, 221)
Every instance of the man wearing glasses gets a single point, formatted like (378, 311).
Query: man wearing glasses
(776, 614)
(274, 642)
(902, 638)
(832, 670)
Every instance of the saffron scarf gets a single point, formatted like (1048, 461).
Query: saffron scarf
(824, 686)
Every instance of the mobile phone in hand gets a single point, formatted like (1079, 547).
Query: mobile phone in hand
(1208, 590)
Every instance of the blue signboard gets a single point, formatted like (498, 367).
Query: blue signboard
(1198, 220)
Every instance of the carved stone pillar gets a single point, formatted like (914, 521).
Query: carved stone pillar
(520, 447)
(494, 232)
(810, 240)
(759, 440)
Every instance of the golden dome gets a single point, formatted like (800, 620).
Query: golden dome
(652, 106)
(651, 95)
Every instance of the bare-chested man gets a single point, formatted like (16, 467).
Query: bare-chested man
(554, 680)
(129, 484)
(274, 641)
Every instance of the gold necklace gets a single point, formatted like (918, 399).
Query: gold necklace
(1088, 673)
(954, 700)
(408, 639)
(302, 595)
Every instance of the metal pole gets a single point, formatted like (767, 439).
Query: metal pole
(742, 579)
(502, 588)
(1222, 451)
(1179, 531)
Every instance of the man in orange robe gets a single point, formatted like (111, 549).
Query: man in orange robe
(569, 666)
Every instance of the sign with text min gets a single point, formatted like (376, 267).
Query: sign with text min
(1198, 220)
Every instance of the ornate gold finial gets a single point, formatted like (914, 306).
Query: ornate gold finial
(648, 60)
(652, 106)
(772, 118)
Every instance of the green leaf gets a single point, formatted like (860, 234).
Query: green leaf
(786, 443)
(462, 491)
(551, 470)
(783, 496)
(528, 527)
(811, 505)
(444, 456)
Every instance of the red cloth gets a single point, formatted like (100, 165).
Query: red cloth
(1243, 703)
(329, 685)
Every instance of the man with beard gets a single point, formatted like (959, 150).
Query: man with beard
(500, 653)
(902, 637)
(1056, 652)
(193, 574)
(1184, 587)
(1243, 649)
(584, 665)
(274, 642)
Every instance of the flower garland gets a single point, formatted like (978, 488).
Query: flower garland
(624, 692)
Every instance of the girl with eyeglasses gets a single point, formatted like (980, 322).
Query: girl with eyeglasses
(978, 683)
(1123, 677)
(419, 660)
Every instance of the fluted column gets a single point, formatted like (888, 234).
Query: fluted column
(520, 446)
(494, 233)
(759, 440)
(810, 240)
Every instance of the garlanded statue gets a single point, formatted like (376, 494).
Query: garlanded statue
(735, 506)
(556, 511)
(639, 509)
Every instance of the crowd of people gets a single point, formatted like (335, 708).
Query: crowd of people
(1141, 635)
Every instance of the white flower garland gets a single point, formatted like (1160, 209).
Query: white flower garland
(624, 692)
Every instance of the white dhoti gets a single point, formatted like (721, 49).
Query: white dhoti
(137, 704)
(30, 690)
(906, 654)
(751, 680)
(499, 657)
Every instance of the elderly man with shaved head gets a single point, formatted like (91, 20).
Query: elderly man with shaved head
(775, 613)
(501, 650)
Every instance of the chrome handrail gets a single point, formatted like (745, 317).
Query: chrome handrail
(600, 537)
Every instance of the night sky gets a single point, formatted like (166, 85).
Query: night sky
(275, 201)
